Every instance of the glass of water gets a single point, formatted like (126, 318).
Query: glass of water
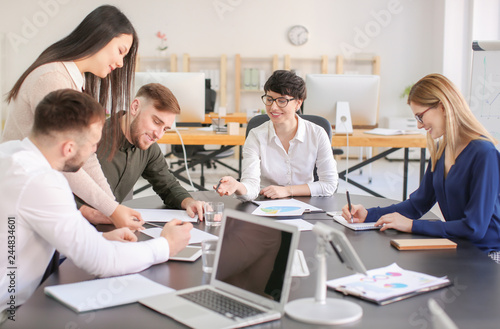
(213, 213)
(208, 248)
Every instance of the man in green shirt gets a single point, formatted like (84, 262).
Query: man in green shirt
(137, 154)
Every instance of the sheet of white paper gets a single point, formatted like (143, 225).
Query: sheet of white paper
(290, 203)
(166, 215)
(210, 128)
(108, 292)
(197, 236)
(300, 223)
(390, 132)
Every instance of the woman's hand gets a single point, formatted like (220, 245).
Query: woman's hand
(229, 185)
(126, 217)
(276, 192)
(395, 221)
(358, 213)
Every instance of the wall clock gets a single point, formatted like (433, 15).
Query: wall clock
(298, 35)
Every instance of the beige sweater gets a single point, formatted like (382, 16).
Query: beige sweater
(89, 183)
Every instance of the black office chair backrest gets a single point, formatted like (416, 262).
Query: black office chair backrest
(255, 122)
(320, 121)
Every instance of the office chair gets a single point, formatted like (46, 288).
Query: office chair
(320, 121)
(195, 152)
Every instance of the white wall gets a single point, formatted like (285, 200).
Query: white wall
(409, 40)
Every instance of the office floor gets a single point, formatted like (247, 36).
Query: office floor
(387, 178)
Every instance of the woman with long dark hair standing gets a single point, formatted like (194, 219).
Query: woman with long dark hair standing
(97, 58)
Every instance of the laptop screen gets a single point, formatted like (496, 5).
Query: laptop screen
(254, 257)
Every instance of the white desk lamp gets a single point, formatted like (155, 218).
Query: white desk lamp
(323, 310)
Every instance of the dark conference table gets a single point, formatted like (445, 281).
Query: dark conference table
(473, 301)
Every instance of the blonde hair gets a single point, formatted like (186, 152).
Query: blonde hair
(435, 89)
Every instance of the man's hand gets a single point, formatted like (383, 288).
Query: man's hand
(126, 217)
(395, 221)
(94, 216)
(358, 213)
(193, 207)
(123, 234)
(276, 192)
(177, 234)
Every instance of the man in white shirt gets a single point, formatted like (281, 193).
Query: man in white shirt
(38, 214)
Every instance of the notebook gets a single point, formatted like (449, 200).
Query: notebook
(423, 244)
(102, 293)
(353, 226)
(252, 275)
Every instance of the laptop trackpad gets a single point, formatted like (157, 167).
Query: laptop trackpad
(198, 317)
(187, 311)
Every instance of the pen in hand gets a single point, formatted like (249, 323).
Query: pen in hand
(218, 184)
(349, 205)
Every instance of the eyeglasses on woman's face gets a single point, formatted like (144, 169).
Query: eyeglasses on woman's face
(280, 101)
(419, 116)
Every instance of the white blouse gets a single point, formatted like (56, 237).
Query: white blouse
(265, 161)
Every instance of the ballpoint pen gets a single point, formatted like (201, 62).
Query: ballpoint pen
(218, 184)
(349, 205)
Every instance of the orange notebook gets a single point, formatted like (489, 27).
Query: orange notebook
(422, 244)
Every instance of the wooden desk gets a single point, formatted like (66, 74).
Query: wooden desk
(472, 301)
(196, 136)
(360, 138)
(239, 117)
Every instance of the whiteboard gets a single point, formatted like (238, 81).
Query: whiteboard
(484, 99)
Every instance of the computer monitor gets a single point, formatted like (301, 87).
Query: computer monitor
(360, 91)
(187, 87)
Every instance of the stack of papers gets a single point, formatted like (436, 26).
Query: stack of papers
(102, 293)
(165, 215)
(197, 236)
(387, 284)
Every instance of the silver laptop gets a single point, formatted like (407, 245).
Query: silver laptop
(251, 278)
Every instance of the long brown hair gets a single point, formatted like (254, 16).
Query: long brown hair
(95, 31)
(435, 89)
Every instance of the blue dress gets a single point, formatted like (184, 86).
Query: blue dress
(469, 198)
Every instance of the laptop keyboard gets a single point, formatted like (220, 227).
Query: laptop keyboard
(221, 304)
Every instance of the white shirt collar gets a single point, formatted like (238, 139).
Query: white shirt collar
(300, 135)
(76, 75)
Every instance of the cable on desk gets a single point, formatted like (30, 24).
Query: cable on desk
(185, 159)
(347, 155)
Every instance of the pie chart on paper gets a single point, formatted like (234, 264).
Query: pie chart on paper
(278, 210)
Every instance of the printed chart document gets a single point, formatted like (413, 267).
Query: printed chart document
(165, 215)
(388, 284)
(197, 236)
(284, 207)
(391, 132)
(102, 293)
(353, 226)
